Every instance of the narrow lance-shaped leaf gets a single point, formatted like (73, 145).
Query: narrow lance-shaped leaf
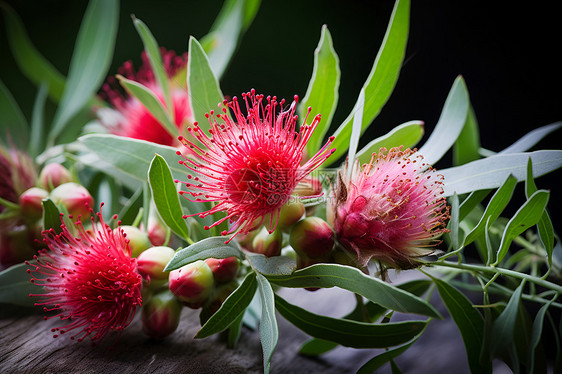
(407, 134)
(211, 247)
(90, 61)
(355, 132)
(13, 124)
(269, 332)
(15, 286)
(36, 138)
(502, 330)
(527, 216)
(450, 123)
(454, 222)
(382, 78)
(468, 143)
(155, 58)
(51, 216)
(322, 92)
(276, 265)
(471, 202)
(166, 197)
(531, 138)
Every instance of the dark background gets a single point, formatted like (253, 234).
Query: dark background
(508, 56)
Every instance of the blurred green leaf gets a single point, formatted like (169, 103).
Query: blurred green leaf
(531, 138)
(315, 347)
(211, 247)
(231, 309)
(382, 78)
(155, 58)
(269, 332)
(502, 330)
(469, 322)
(495, 207)
(36, 140)
(204, 90)
(166, 197)
(468, 143)
(352, 279)
(33, 65)
(527, 216)
(131, 208)
(90, 62)
(276, 265)
(349, 333)
(450, 123)
(15, 285)
(13, 125)
(322, 92)
(407, 134)
(51, 216)
(149, 99)
(492, 171)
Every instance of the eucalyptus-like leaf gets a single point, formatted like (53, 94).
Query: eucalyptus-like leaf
(502, 330)
(166, 197)
(37, 137)
(453, 224)
(204, 90)
(352, 279)
(495, 207)
(471, 202)
(322, 92)
(155, 58)
(132, 157)
(15, 285)
(234, 331)
(491, 172)
(468, 143)
(531, 138)
(349, 333)
(469, 322)
(450, 124)
(355, 132)
(527, 216)
(231, 309)
(131, 208)
(32, 64)
(90, 61)
(211, 247)
(12, 120)
(407, 134)
(276, 265)
(382, 78)
(51, 216)
(269, 332)
(151, 102)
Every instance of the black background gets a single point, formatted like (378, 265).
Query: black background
(508, 56)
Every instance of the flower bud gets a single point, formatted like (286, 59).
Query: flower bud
(16, 244)
(157, 232)
(138, 240)
(192, 283)
(53, 175)
(312, 238)
(161, 315)
(30, 202)
(290, 214)
(268, 244)
(308, 186)
(151, 263)
(224, 269)
(75, 198)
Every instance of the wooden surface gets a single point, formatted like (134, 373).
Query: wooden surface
(27, 346)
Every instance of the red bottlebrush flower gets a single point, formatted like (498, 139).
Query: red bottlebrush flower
(249, 166)
(132, 119)
(390, 210)
(90, 279)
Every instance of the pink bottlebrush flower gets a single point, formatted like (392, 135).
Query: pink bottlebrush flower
(249, 167)
(90, 279)
(133, 120)
(390, 210)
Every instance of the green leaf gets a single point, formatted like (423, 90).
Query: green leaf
(33, 65)
(407, 134)
(315, 347)
(204, 90)
(469, 322)
(15, 286)
(211, 247)
(355, 132)
(454, 222)
(471, 202)
(155, 58)
(527, 216)
(531, 138)
(544, 227)
(502, 330)
(349, 333)
(131, 157)
(13, 125)
(231, 309)
(269, 332)
(37, 132)
(322, 92)
(151, 102)
(450, 123)
(233, 20)
(467, 144)
(90, 62)
(495, 207)
(234, 331)
(51, 216)
(382, 78)
(352, 279)
(166, 197)
(492, 171)
(277, 265)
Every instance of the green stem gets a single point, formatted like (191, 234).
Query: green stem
(364, 311)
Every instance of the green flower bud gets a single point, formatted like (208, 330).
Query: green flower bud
(161, 315)
(75, 198)
(268, 244)
(312, 238)
(138, 240)
(192, 283)
(30, 202)
(151, 263)
(224, 269)
(53, 175)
